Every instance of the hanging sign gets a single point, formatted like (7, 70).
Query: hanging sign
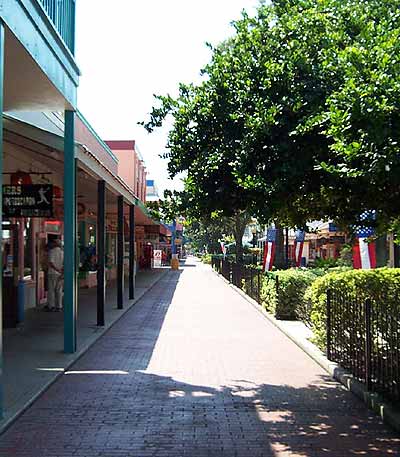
(28, 200)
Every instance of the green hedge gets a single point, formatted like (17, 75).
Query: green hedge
(206, 258)
(381, 285)
(287, 300)
(257, 275)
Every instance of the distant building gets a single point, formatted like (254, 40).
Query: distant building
(131, 166)
(152, 194)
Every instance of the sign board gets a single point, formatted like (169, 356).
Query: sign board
(157, 256)
(28, 200)
(333, 227)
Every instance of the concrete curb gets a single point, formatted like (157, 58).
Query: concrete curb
(387, 413)
(6, 423)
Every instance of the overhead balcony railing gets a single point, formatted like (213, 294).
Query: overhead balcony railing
(62, 15)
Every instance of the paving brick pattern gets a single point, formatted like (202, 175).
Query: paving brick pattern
(194, 370)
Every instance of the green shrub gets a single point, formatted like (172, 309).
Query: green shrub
(325, 263)
(338, 269)
(381, 285)
(250, 281)
(287, 301)
(206, 258)
(321, 271)
(346, 256)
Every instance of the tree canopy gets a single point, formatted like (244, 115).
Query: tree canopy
(297, 116)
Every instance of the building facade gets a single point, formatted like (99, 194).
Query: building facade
(60, 179)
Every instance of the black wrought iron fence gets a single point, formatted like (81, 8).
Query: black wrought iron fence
(363, 336)
(216, 263)
(245, 277)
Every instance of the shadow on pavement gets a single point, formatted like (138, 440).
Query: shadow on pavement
(150, 415)
(108, 404)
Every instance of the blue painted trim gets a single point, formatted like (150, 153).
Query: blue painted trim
(29, 23)
(1, 211)
(173, 245)
(62, 15)
(94, 133)
(50, 33)
(70, 245)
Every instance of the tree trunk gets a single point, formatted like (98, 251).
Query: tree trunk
(239, 248)
(241, 220)
(279, 248)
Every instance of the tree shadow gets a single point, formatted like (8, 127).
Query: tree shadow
(145, 414)
(116, 402)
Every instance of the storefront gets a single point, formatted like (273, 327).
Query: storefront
(36, 155)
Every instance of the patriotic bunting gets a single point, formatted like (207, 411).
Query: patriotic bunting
(298, 246)
(223, 248)
(269, 250)
(364, 254)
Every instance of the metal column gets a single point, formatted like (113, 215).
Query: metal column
(101, 251)
(1, 210)
(70, 245)
(131, 252)
(120, 253)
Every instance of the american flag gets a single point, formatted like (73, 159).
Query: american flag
(298, 246)
(364, 253)
(269, 250)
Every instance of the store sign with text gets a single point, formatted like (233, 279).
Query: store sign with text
(28, 200)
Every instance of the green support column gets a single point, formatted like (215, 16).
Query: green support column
(1, 210)
(70, 270)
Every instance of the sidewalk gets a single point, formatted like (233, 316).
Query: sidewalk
(33, 353)
(194, 370)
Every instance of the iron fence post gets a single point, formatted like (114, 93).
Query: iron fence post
(259, 287)
(251, 282)
(329, 324)
(368, 344)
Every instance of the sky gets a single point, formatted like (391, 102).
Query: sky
(128, 50)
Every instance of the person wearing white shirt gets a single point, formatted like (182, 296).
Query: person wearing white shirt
(55, 275)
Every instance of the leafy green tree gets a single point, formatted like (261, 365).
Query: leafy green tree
(166, 209)
(297, 117)
(210, 231)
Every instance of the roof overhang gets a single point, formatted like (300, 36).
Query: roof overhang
(87, 161)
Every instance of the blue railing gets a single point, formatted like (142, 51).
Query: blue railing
(62, 15)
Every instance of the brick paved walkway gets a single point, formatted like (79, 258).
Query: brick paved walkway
(194, 370)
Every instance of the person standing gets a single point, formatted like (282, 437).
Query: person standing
(55, 276)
